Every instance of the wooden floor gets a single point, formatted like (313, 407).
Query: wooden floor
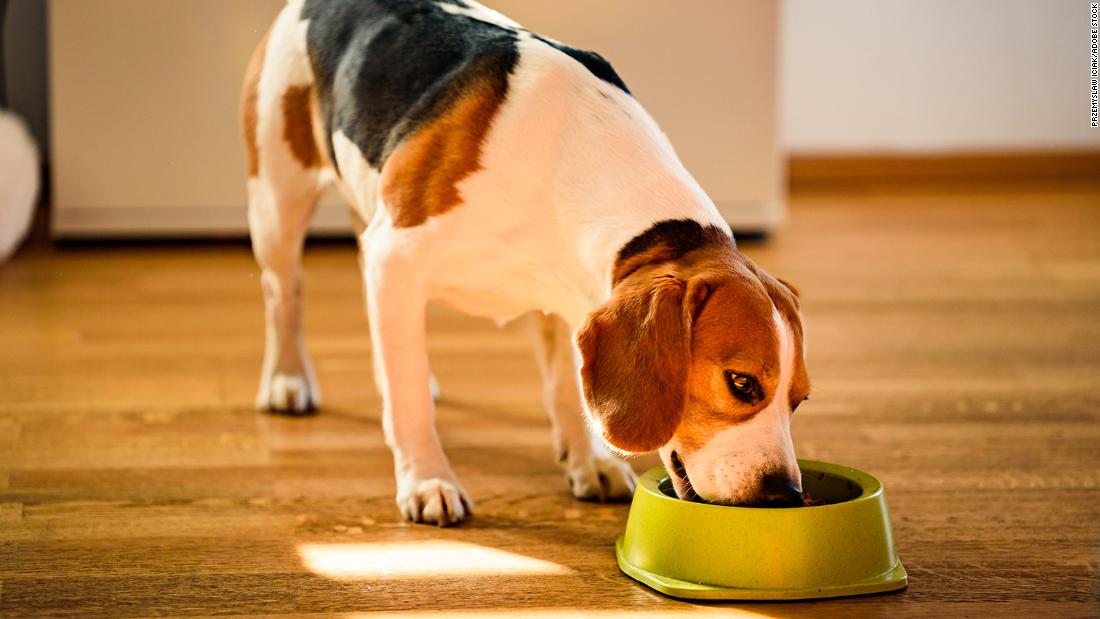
(954, 344)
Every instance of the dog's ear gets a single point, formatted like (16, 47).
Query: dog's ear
(790, 286)
(636, 350)
(782, 292)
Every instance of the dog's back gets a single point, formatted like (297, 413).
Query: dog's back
(386, 67)
(378, 70)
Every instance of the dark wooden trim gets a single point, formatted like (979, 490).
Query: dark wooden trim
(3, 72)
(823, 170)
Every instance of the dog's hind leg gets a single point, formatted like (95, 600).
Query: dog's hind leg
(285, 181)
(287, 380)
(593, 473)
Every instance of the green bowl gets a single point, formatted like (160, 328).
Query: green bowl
(843, 546)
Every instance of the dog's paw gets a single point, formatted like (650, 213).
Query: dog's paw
(600, 477)
(292, 394)
(434, 501)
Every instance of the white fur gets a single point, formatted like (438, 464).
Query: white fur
(480, 12)
(571, 169)
(360, 180)
(728, 469)
(18, 182)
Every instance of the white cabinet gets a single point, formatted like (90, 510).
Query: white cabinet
(144, 103)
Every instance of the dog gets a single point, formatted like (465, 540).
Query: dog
(508, 174)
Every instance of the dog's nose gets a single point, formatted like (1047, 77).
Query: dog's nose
(778, 490)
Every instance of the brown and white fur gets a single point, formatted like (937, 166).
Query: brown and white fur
(520, 203)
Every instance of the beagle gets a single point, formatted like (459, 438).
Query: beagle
(505, 173)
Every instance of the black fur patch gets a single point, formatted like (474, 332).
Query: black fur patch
(385, 67)
(595, 63)
(679, 236)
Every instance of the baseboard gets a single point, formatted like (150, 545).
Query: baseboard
(753, 217)
(809, 170)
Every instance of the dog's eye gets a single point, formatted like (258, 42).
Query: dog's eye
(742, 386)
(741, 382)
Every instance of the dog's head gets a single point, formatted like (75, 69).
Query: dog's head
(699, 354)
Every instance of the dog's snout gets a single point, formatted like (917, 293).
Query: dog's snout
(779, 490)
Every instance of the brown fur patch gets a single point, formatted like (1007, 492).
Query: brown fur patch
(734, 332)
(652, 255)
(636, 352)
(419, 179)
(298, 132)
(667, 241)
(250, 93)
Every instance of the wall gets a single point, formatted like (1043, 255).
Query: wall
(144, 103)
(144, 112)
(935, 75)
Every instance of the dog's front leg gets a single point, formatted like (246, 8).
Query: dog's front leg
(427, 489)
(593, 473)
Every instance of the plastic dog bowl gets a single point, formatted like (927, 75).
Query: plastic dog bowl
(843, 546)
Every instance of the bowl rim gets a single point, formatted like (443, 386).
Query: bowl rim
(870, 485)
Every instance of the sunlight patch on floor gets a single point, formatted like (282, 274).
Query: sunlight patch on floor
(424, 559)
